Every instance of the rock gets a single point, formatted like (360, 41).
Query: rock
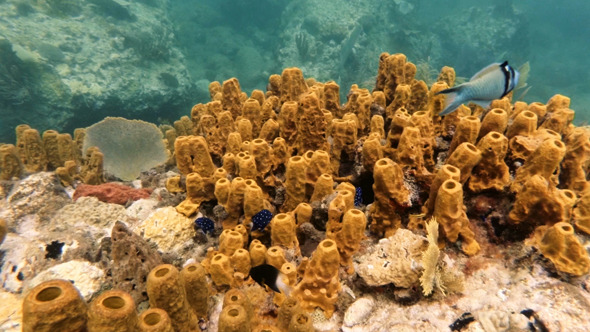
(93, 67)
(170, 230)
(86, 277)
(132, 261)
(358, 311)
(40, 194)
(11, 311)
(142, 208)
(91, 214)
(21, 255)
(111, 192)
(396, 260)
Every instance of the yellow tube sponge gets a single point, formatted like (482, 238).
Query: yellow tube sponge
(112, 311)
(390, 196)
(294, 183)
(449, 211)
(491, 172)
(10, 164)
(302, 213)
(540, 202)
(371, 152)
(282, 231)
(524, 124)
(193, 278)
(344, 136)
(409, 152)
(581, 214)
(246, 166)
(235, 202)
(261, 151)
(292, 84)
(465, 157)
(301, 322)
(446, 172)
(197, 191)
(192, 155)
(280, 152)
(251, 111)
(240, 261)
(343, 202)
(269, 130)
(230, 241)
(231, 97)
(233, 318)
(31, 151)
(320, 284)
(275, 256)
(559, 120)
(562, 247)
(54, 305)
(378, 126)
(221, 271)
(574, 166)
(165, 291)
(349, 237)
(543, 161)
(257, 253)
(311, 125)
(331, 98)
(324, 186)
(495, 120)
(155, 320)
(319, 164)
(467, 131)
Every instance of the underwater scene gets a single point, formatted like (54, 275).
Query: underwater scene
(293, 166)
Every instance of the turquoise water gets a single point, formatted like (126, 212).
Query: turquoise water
(66, 64)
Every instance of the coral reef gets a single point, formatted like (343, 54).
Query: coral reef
(292, 179)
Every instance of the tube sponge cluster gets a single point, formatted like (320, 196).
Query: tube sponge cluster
(328, 176)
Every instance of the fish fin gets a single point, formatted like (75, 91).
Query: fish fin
(524, 75)
(282, 286)
(485, 71)
(483, 103)
(453, 99)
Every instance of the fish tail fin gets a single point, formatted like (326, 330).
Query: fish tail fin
(453, 99)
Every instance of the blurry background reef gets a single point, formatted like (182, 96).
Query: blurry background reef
(68, 64)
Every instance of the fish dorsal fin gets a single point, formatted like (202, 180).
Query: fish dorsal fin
(485, 71)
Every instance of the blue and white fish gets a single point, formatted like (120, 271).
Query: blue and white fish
(205, 224)
(358, 197)
(493, 82)
(260, 220)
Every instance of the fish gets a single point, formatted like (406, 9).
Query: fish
(205, 224)
(260, 220)
(270, 276)
(493, 82)
(358, 197)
